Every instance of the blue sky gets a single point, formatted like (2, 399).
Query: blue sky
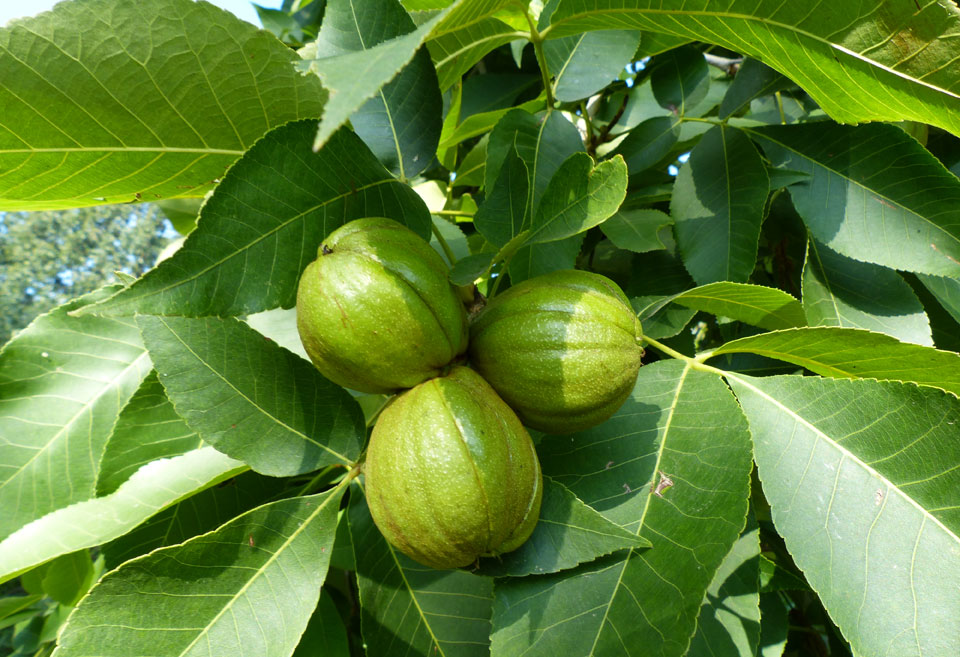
(10, 9)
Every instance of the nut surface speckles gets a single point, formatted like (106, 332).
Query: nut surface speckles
(376, 311)
(451, 474)
(562, 349)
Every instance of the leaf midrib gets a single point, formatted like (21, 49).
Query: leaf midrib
(254, 404)
(746, 18)
(259, 572)
(845, 452)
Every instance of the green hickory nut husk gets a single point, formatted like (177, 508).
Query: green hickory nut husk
(563, 349)
(376, 310)
(451, 473)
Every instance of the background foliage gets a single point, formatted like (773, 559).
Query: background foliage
(774, 186)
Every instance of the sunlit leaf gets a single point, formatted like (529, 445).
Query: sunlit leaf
(147, 429)
(865, 61)
(761, 306)
(863, 486)
(854, 353)
(250, 398)
(264, 224)
(717, 207)
(867, 195)
(63, 381)
(247, 589)
(840, 291)
(112, 101)
(443, 613)
(152, 488)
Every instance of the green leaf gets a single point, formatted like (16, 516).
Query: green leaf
(649, 142)
(325, 635)
(854, 353)
(63, 381)
(869, 61)
(757, 305)
(401, 122)
(539, 259)
(10, 605)
(774, 625)
(753, 79)
(147, 429)
(636, 230)
(354, 77)
(471, 172)
(250, 398)
(202, 512)
(658, 276)
(862, 199)
(862, 482)
(169, 93)
(455, 238)
(443, 613)
(946, 291)
(276, 205)
(489, 92)
(469, 269)
(579, 197)
(586, 63)
(717, 207)
(248, 588)
(479, 124)
(679, 426)
(503, 214)
(568, 533)
(182, 212)
(467, 34)
(68, 577)
(542, 141)
(839, 291)
(729, 622)
(153, 487)
(680, 79)
(280, 325)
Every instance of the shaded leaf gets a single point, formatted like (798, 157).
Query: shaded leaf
(467, 34)
(479, 124)
(579, 197)
(470, 173)
(649, 142)
(401, 122)
(868, 197)
(774, 625)
(753, 79)
(63, 381)
(717, 207)
(839, 291)
(170, 93)
(862, 482)
(252, 399)
(859, 61)
(147, 429)
(757, 305)
(568, 533)
(542, 141)
(854, 353)
(68, 577)
(729, 622)
(469, 269)
(586, 63)
(503, 213)
(325, 635)
(946, 291)
(274, 207)
(409, 607)
(680, 79)
(153, 487)
(636, 230)
(539, 259)
(202, 512)
(619, 604)
(248, 588)
(351, 78)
